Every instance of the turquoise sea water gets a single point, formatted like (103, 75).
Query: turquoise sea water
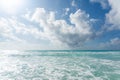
(59, 65)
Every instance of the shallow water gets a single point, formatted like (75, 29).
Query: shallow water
(60, 65)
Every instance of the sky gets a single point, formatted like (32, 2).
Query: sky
(60, 24)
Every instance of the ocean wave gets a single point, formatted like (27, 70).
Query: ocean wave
(22, 65)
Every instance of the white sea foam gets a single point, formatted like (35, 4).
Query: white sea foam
(51, 66)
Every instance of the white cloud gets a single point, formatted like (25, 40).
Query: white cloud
(112, 44)
(23, 29)
(60, 30)
(113, 17)
(104, 3)
(73, 3)
(11, 29)
(81, 21)
(57, 31)
(67, 10)
(6, 30)
(27, 15)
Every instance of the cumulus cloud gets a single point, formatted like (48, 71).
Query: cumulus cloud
(57, 31)
(73, 34)
(113, 44)
(104, 3)
(113, 17)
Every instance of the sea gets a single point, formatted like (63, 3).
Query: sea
(59, 65)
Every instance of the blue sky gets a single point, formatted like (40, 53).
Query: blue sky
(58, 24)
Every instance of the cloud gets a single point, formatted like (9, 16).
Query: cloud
(12, 29)
(56, 31)
(73, 4)
(74, 34)
(112, 21)
(104, 3)
(113, 44)
(67, 10)
(113, 17)
(6, 30)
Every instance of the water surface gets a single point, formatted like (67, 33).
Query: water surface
(59, 65)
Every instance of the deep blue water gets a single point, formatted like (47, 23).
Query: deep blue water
(59, 65)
